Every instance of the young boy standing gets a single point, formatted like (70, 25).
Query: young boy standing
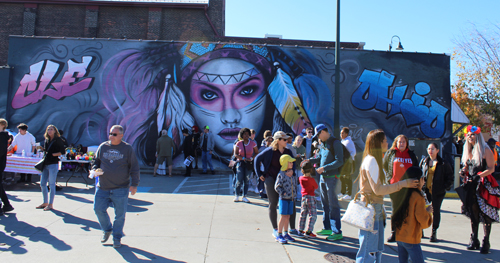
(285, 186)
(308, 205)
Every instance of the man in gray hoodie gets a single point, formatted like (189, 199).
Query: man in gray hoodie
(121, 174)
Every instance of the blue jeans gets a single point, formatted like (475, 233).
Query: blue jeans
(206, 157)
(331, 207)
(241, 178)
(414, 251)
(102, 200)
(371, 244)
(49, 174)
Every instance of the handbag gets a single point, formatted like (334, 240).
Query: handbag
(360, 214)
(39, 166)
(462, 193)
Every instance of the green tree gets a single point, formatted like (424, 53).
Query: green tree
(477, 57)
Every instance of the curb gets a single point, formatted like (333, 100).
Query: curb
(451, 195)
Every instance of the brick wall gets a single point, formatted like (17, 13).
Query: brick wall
(60, 20)
(77, 20)
(120, 22)
(185, 24)
(11, 21)
(132, 22)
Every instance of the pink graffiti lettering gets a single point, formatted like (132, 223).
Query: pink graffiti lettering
(40, 81)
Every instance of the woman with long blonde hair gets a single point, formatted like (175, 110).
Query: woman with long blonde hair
(53, 148)
(372, 183)
(482, 191)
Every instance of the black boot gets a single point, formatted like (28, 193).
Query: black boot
(474, 242)
(485, 249)
(434, 236)
(392, 238)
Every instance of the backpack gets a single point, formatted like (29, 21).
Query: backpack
(346, 168)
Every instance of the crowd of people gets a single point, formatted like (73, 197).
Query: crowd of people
(290, 169)
(293, 168)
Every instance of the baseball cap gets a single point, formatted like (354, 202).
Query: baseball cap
(318, 129)
(280, 135)
(207, 128)
(284, 160)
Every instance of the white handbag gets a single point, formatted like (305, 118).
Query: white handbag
(360, 214)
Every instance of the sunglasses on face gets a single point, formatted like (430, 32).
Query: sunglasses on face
(282, 139)
(114, 134)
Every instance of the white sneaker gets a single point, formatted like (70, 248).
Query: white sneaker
(236, 199)
(347, 198)
(244, 199)
(339, 196)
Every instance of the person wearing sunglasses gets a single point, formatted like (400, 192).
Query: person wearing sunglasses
(269, 158)
(121, 175)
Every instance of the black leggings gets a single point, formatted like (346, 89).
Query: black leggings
(437, 201)
(274, 198)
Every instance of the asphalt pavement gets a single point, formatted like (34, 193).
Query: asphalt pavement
(194, 219)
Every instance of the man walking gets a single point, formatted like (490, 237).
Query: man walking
(120, 175)
(347, 168)
(207, 146)
(25, 141)
(330, 158)
(164, 147)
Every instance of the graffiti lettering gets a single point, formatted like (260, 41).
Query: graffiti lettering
(374, 92)
(40, 81)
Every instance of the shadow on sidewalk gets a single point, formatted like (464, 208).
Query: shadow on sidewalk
(77, 198)
(130, 255)
(491, 257)
(71, 219)
(134, 205)
(34, 234)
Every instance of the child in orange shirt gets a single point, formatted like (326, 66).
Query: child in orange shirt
(411, 218)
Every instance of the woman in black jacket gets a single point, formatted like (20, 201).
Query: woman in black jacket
(269, 158)
(438, 179)
(54, 147)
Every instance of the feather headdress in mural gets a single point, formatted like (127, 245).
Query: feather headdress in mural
(287, 101)
(171, 110)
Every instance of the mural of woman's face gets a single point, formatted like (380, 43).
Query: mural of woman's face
(228, 94)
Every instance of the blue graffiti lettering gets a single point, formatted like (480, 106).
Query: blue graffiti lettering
(374, 92)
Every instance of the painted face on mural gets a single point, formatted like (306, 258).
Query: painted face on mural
(227, 94)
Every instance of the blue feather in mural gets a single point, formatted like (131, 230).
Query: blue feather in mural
(287, 101)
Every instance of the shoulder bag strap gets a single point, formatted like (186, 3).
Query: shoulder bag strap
(52, 142)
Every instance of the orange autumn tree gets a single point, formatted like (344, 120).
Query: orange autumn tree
(469, 106)
(477, 90)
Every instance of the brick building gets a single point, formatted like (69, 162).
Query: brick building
(193, 20)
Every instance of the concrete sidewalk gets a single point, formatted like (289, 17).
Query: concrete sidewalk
(192, 219)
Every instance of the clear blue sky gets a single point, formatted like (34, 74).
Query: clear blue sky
(423, 26)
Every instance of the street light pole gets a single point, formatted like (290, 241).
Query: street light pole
(336, 116)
